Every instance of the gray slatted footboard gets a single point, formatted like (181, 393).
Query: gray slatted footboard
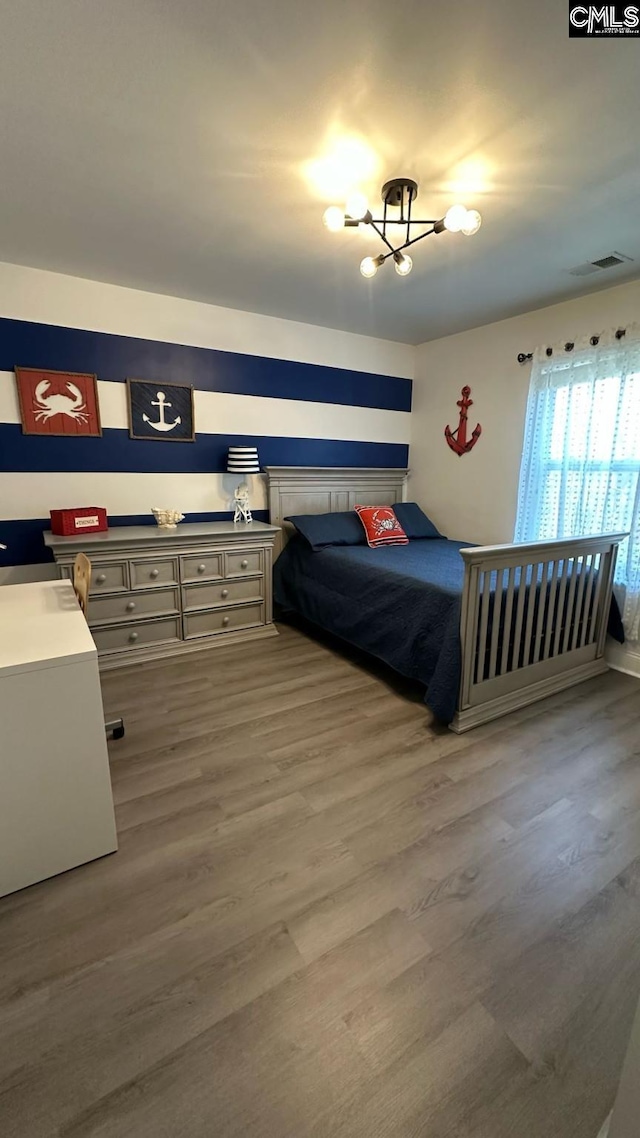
(533, 621)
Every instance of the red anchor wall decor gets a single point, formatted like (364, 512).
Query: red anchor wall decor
(457, 439)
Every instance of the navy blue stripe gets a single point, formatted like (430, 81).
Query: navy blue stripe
(115, 357)
(25, 545)
(115, 451)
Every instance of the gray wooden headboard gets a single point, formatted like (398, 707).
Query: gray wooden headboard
(325, 489)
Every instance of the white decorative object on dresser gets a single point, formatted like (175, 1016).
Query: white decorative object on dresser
(167, 519)
(160, 592)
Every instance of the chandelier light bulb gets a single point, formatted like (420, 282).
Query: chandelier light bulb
(333, 218)
(369, 266)
(472, 223)
(397, 195)
(357, 206)
(455, 218)
(403, 265)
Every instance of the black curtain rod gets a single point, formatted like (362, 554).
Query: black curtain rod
(526, 357)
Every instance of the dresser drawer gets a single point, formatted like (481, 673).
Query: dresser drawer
(108, 577)
(123, 637)
(207, 567)
(153, 574)
(222, 620)
(243, 564)
(133, 606)
(221, 593)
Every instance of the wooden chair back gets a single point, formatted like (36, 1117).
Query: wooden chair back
(82, 580)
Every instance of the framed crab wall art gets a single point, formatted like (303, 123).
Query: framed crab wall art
(58, 402)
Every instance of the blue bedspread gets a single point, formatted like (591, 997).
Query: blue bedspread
(401, 603)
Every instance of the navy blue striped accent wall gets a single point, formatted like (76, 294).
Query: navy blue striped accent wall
(208, 455)
(207, 369)
(40, 472)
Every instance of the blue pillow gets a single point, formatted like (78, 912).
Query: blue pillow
(414, 521)
(330, 529)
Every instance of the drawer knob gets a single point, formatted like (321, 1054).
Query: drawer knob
(101, 578)
(131, 606)
(202, 568)
(225, 620)
(243, 564)
(154, 572)
(133, 636)
(224, 593)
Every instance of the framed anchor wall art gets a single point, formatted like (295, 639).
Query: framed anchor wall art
(160, 411)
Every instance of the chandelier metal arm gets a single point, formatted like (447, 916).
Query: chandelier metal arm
(382, 236)
(398, 195)
(413, 240)
(400, 248)
(380, 221)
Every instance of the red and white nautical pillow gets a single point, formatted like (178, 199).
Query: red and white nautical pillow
(381, 526)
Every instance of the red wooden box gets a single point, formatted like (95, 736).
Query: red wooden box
(86, 519)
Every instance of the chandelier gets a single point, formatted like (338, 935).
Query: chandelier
(398, 196)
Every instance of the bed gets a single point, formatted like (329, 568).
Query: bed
(486, 629)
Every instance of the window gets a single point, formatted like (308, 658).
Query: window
(580, 469)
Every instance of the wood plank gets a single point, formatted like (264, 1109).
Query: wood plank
(496, 623)
(484, 587)
(297, 1031)
(575, 629)
(551, 609)
(587, 999)
(328, 915)
(562, 594)
(588, 603)
(90, 1063)
(530, 610)
(596, 601)
(574, 573)
(508, 617)
(520, 609)
(438, 1086)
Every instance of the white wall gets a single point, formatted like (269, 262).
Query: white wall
(474, 497)
(53, 298)
(291, 410)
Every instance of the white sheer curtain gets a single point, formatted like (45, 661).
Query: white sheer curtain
(580, 470)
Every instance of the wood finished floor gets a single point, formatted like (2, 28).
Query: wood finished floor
(328, 918)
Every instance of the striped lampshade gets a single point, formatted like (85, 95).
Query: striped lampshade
(243, 460)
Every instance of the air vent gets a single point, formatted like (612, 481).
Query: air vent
(608, 262)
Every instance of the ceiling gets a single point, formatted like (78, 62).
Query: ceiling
(169, 145)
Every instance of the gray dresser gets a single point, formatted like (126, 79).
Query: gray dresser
(157, 593)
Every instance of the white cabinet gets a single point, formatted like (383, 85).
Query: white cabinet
(56, 807)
